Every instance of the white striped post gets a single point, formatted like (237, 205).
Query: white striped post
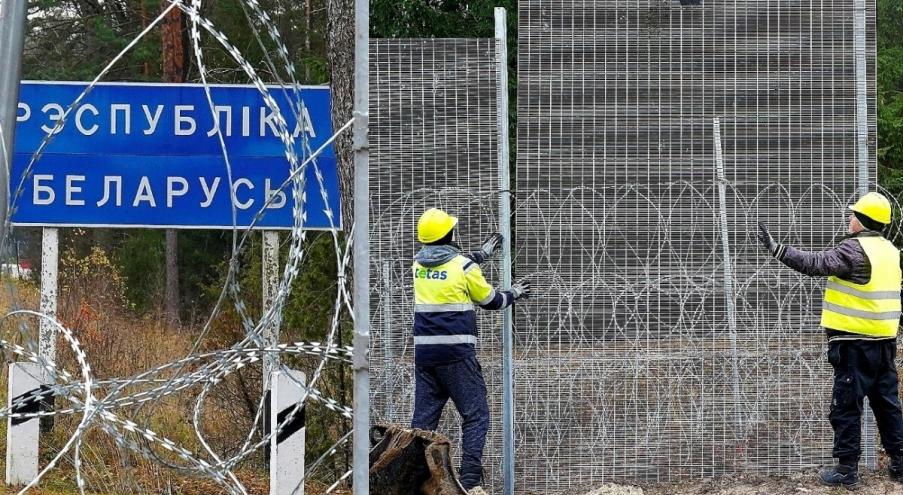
(25, 380)
(287, 449)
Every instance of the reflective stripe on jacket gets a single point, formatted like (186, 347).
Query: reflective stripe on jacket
(445, 324)
(871, 308)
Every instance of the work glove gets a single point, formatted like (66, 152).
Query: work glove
(488, 248)
(767, 240)
(490, 245)
(521, 290)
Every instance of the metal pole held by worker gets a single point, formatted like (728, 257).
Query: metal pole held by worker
(361, 249)
(501, 36)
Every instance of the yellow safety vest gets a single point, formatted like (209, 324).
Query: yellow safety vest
(871, 309)
(453, 286)
(445, 324)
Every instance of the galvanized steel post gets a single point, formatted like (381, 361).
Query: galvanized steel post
(862, 130)
(869, 425)
(361, 248)
(501, 36)
(729, 294)
(12, 39)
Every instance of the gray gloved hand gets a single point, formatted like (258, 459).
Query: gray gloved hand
(767, 240)
(490, 245)
(521, 290)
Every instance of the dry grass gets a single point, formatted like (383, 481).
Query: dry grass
(120, 344)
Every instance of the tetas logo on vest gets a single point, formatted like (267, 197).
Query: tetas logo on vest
(430, 274)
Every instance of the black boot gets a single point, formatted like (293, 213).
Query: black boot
(895, 470)
(840, 475)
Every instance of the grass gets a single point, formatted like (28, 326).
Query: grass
(120, 344)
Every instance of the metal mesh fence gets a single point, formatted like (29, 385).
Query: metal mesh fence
(434, 143)
(627, 365)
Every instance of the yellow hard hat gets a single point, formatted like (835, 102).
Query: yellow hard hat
(875, 206)
(434, 224)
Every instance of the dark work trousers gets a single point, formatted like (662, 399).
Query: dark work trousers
(864, 368)
(463, 383)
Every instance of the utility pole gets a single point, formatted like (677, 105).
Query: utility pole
(12, 42)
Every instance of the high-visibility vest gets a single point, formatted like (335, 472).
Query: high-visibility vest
(871, 309)
(445, 323)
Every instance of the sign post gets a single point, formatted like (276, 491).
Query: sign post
(47, 333)
(270, 288)
(49, 280)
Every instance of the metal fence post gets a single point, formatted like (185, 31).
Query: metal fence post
(12, 39)
(729, 295)
(501, 36)
(361, 249)
(869, 427)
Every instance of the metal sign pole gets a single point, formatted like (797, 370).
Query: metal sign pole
(270, 333)
(270, 289)
(501, 36)
(50, 257)
(12, 38)
(361, 360)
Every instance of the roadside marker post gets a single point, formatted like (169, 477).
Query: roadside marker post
(25, 380)
(287, 449)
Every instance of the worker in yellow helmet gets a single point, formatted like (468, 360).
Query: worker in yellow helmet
(860, 314)
(448, 285)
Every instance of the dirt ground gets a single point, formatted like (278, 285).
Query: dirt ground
(873, 484)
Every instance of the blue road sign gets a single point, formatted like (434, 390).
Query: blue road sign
(148, 155)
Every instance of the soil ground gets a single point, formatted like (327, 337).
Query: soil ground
(802, 484)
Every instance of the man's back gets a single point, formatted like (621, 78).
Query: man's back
(446, 286)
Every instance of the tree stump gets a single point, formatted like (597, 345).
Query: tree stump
(405, 462)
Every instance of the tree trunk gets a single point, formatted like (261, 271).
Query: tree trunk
(174, 56)
(307, 9)
(172, 28)
(340, 53)
(412, 461)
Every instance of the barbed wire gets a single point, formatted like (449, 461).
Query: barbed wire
(623, 368)
(107, 403)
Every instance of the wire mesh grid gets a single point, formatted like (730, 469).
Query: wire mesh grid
(625, 368)
(433, 143)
